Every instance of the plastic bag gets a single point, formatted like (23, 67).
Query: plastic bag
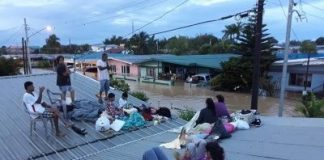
(102, 124)
(242, 124)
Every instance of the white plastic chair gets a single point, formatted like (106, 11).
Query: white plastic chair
(56, 99)
(38, 118)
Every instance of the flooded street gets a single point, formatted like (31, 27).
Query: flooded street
(186, 97)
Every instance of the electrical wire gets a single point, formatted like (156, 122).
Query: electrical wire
(311, 5)
(127, 11)
(283, 11)
(203, 22)
(158, 18)
(12, 35)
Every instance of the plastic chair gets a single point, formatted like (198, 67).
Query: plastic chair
(56, 99)
(38, 118)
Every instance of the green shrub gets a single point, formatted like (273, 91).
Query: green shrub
(215, 83)
(312, 107)
(120, 85)
(8, 67)
(43, 64)
(187, 114)
(140, 95)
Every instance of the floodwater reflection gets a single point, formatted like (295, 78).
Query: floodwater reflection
(181, 97)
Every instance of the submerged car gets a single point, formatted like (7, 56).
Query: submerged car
(199, 80)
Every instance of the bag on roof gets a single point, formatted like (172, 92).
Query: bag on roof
(102, 124)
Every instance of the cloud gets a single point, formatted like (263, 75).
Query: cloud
(208, 2)
(30, 3)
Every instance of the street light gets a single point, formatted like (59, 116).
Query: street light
(48, 28)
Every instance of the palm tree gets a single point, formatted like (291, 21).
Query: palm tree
(309, 48)
(232, 31)
(139, 42)
(52, 44)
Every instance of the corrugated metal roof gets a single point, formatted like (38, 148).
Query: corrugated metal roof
(293, 56)
(15, 142)
(209, 61)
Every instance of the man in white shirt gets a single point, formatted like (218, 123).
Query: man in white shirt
(35, 105)
(103, 75)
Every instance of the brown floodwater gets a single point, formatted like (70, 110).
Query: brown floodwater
(182, 96)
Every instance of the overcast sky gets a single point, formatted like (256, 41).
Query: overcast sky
(92, 21)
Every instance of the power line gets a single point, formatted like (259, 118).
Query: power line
(283, 10)
(321, 9)
(115, 16)
(244, 13)
(160, 17)
(122, 7)
(12, 35)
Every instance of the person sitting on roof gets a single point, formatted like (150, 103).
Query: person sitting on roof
(111, 109)
(34, 104)
(220, 107)
(202, 150)
(123, 100)
(207, 115)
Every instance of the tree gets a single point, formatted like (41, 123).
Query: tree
(223, 46)
(115, 40)
(237, 72)
(320, 41)
(52, 45)
(205, 49)
(309, 48)
(197, 42)
(178, 45)
(295, 43)
(232, 31)
(139, 43)
(3, 50)
(8, 67)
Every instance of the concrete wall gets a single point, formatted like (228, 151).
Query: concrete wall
(133, 67)
(317, 80)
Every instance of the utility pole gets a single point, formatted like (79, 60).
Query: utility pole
(27, 48)
(257, 55)
(284, 68)
(132, 27)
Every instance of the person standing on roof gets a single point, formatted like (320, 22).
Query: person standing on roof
(63, 80)
(103, 75)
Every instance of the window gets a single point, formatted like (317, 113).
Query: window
(150, 72)
(298, 79)
(125, 69)
(113, 68)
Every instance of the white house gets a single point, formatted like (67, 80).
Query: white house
(296, 74)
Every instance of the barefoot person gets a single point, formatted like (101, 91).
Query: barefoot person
(34, 103)
(103, 75)
(63, 78)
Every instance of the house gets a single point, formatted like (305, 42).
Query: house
(159, 68)
(103, 47)
(296, 73)
(16, 143)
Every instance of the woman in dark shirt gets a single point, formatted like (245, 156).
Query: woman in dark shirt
(208, 114)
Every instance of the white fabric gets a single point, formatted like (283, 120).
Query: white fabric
(188, 125)
(102, 74)
(122, 103)
(130, 111)
(30, 100)
(102, 124)
(242, 124)
(175, 144)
